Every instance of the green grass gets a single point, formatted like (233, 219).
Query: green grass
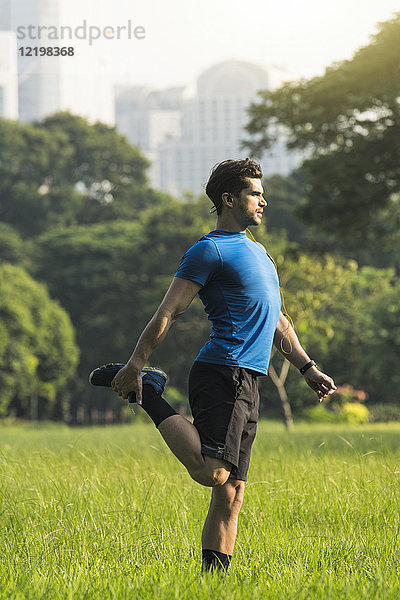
(110, 513)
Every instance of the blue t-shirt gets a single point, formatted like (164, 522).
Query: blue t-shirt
(240, 294)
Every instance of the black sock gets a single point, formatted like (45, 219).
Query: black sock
(156, 407)
(214, 560)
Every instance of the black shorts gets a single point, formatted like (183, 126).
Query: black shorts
(225, 401)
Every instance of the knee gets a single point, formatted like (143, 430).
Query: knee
(219, 477)
(211, 477)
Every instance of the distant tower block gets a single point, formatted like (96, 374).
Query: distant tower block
(8, 76)
(185, 131)
(81, 83)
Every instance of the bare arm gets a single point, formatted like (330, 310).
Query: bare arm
(179, 296)
(287, 342)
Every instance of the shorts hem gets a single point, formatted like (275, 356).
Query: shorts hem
(217, 454)
(236, 476)
(230, 460)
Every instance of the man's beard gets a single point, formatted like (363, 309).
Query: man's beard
(248, 219)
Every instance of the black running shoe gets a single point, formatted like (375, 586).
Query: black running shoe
(153, 376)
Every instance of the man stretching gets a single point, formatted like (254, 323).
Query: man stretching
(238, 284)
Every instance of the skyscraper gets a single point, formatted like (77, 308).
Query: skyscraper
(213, 120)
(184, 132)
(78, 82)
(8, 76)
(148, 117)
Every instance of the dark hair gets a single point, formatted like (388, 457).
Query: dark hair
(229, 176)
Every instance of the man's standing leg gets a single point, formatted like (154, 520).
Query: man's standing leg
(224, 402)
(220, 527)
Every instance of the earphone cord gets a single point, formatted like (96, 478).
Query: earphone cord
(284, 311)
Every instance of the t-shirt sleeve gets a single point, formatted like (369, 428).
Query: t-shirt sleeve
(200, 263)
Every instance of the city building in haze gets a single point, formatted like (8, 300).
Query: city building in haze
(8, 76)
(79, 83)
(185, 131)
(148, 117)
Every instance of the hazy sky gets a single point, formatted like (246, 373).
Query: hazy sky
(183, 37)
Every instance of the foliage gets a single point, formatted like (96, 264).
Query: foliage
(348, 123)
(353, 413)
(37, 347)
(63, 171)
(382, 349)
(319, 414)
(13, 249)
(345, 406)
(345, 316)
(284, 195)
(384, 413)
(336, 308)
(346, 393)
(176, 399)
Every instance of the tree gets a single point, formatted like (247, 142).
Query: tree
(63, 171)
(25, 153)
(313, 293)
(376, 341)
(37, 348)
(348, 123)
(13, 249)
(284, 194)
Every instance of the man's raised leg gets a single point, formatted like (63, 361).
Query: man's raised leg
(180, 435)
(183, 439)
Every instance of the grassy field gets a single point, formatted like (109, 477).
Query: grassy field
(110, 513)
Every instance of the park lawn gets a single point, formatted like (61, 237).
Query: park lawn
(108, 512)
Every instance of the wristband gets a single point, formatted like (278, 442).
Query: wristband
(307, 366)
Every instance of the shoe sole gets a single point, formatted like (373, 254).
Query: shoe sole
(103, 376)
